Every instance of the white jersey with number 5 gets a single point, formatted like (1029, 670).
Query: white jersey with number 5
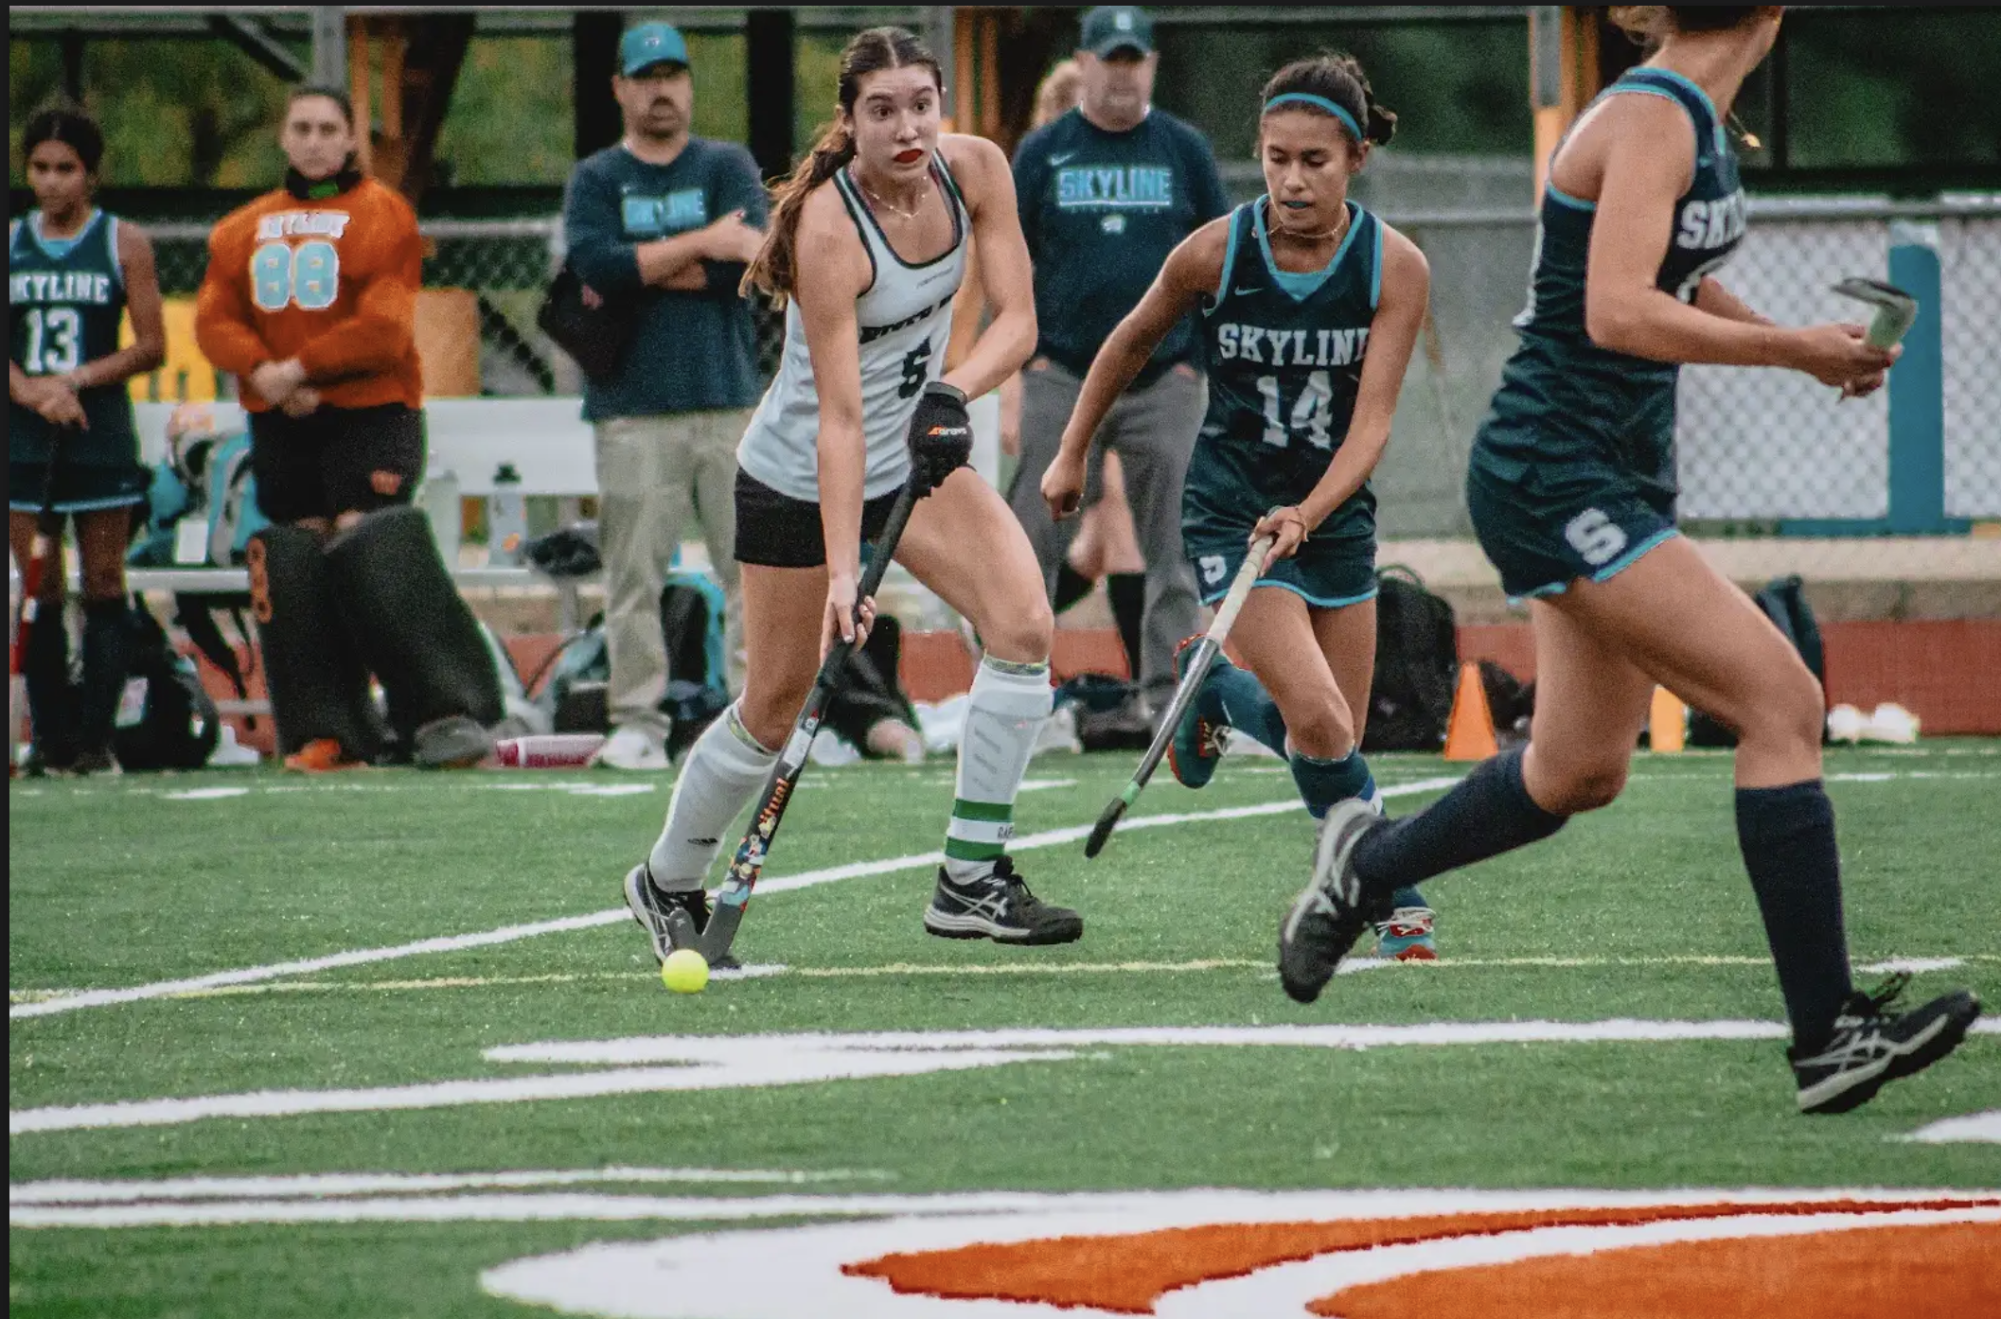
(905, 316)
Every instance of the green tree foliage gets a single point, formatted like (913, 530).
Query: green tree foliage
(1458, 87)
(174, 112)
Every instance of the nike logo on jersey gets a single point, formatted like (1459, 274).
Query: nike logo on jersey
(1245, 293)
(302, 224)
(1061, 159)
(1254, 343)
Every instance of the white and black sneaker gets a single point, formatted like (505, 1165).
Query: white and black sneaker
(998, 907)
(1332, 911)
(671, 920)
(1871, 1046)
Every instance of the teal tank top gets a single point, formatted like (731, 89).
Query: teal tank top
(65, 299)
(1562, 397)
(1285, 354)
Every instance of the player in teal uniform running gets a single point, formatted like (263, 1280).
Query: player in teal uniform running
(1309, 308)
(1572, 496)
(73, 271)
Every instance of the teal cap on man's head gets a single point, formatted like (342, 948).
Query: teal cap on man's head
(1109, 29)
(648, 44)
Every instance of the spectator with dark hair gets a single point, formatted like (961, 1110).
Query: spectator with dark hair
(73, 272)
(663, 225)
(311, 302)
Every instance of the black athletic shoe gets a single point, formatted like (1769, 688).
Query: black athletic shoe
(671, 920)
(1871, 1046)
(1331, 912)
(1000, 908)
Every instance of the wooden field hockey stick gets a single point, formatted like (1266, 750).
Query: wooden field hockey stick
(1191, 683)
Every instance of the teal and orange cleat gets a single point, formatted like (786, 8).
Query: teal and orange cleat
(1407, 935)
(1198, 742)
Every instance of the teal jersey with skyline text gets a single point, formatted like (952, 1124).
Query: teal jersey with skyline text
(1566, 407)
(1285, 353)
(65, 299)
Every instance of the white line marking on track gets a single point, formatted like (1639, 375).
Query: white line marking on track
(205, 794)
(96, 998)
(374, 1183)
(1982, 1127)
(1914, 965)
(654, 1064)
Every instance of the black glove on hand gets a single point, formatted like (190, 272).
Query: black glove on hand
(941, 436)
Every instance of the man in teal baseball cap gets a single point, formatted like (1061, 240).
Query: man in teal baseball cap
(651, 43)
(660, 227)
(1110, 29)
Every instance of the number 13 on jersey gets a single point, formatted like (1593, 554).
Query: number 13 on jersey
(1311, 411)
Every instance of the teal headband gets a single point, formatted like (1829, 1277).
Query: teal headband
(1308, 98)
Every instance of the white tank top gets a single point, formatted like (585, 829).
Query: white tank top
(905, 316)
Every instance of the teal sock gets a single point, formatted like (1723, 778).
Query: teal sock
(1324, 782)
(1235, 697)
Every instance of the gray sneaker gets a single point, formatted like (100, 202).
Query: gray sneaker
(454, 742)
(998, 907)
(1332, 911)
(671, 920)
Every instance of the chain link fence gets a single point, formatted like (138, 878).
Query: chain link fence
(504, 264)
(1754, 445)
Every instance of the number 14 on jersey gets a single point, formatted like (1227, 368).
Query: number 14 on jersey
(1311, 411)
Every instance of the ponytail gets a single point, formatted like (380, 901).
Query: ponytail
(775, 265)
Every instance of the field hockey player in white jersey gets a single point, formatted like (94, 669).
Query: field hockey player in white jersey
(866, 247)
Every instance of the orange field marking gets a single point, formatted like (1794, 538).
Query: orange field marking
(1127, 1273)
(1931, 1271)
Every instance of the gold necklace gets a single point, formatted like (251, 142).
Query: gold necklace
(1347, 218)
(892, 208)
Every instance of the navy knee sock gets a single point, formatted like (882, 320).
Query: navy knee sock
(1324, 782)
(1787, 837)
(1071, 586)
(104, 631)
(1489, 812)
(1235, 697)
(1127, 593)
(51, 697)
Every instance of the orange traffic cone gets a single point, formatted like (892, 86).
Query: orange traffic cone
(1469, 733)
(1667, 722)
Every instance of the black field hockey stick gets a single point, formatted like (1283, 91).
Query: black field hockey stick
(1191, 682)
(750, 854)
(47, 532)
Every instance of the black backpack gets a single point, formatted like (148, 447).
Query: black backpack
(596, 336)
(1783, 600)
(1417, 659)
(165, 720)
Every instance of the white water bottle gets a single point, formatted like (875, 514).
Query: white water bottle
(506, 518)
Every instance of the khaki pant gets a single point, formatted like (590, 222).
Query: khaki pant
(654, 473)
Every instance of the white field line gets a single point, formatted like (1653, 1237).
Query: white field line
(342, 1184)
(661, 1064)
(1352, 966)
(983, 1216)
(97, 998)
(1983, 1127)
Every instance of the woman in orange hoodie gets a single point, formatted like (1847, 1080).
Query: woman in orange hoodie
(310, 300)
